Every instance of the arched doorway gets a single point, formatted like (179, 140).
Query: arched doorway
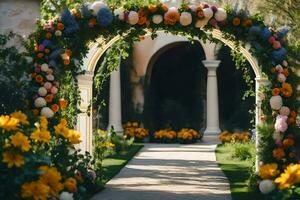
(175, 88)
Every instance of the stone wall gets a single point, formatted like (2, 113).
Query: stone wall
(19, 16)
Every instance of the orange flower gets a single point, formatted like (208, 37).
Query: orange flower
(55, 108)
(152, 8)
(288, 142)
(68, 52)
(63, 103)
(291, 120)
(49, 98)
(66, 61)
(286, 72)
(273, 70)
(40, 55)
(93, 22)
(164, 7)
(236, 21)
(247, 23)
(71, 184)
(171, 17)
(48, 35)
(200, 12)
(60, 26)
(142, 20)
(275, 91)
(35, 112)
(278, 153)
(33, 75)
(286, 90)
(293, 114)
(39, 79)
(47, 51)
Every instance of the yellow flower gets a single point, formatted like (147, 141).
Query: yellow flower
(268, 171)
(51, 177)
(61, 128)
(13, 159)
(74, 137)
(41, 135)
(35, 190)
(9, 123)
(290, 177)
(20, 116)
(71, 184)
(21, 141)
(44, 123)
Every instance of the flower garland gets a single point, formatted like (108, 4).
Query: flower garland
(59, 46)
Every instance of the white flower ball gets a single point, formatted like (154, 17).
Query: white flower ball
(201, 23)
(277, 135)
(50, 77)
(266, 186)
(47, 112)
(44, 67)
(133, 17)
(284, 110)
(54, 90)
(285, 63)
(120, 13)
(220, 15)
(157, 19)
(40, 102)
(281, 78)
(185, 18)
(298, 121)
(42, 91)
(208, 13)
(276, 102)
(58, 33)
(48, 85)
(66, 196)
(96, 6)
(279, 68)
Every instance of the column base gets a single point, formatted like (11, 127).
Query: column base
(212, 131)
(118, 129)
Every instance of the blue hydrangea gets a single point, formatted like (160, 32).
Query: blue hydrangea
(85, 11)
(69, 21)
(254, 30)
(47, 43)
(279, 55)
(266, 33)
(104, 17)
(55, 54)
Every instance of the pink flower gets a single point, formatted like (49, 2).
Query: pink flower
(281, 123)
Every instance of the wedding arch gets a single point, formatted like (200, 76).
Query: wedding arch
(72, 44)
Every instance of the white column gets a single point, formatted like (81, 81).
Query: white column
(115, 110)
(212, 123)
(259, 96)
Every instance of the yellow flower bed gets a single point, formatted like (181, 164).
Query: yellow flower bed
(234, 137)
(187, 134)
(132, 129)
(165, 134)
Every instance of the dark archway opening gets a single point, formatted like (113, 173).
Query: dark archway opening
(176, 89)
(235, 113)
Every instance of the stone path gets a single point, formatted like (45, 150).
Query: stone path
(170, 172)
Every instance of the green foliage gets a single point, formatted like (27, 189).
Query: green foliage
(244, 151)
(266, 142)
(122, 144)
(14, 80)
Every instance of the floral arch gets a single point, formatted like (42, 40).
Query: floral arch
(59, 47)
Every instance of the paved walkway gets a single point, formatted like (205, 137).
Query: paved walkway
(170, 172)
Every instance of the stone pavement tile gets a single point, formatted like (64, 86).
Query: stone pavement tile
(170, 172)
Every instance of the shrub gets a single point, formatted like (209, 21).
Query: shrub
(244, 151)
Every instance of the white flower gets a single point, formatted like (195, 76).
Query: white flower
(276, 102)
(281, 78)
(42, 91)
(40, 102)
(96, 6)
(54, 90)
(279, 68)
(66, 196)
(50, 77)
(47, 112)
(49, 71)
(298, 121)
(220, 15)
(284, 111)
(48, 85)
(133, 17)
(157, 19)
(261, 95)
(120, 13)
(208, 13)
(266, 186)
(201, 23)
(44, 67)
(285, 63)
(58, 33)
(185, 18)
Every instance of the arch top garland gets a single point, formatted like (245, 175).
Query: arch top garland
(59, 45)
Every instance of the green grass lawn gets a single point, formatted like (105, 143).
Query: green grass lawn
(113, 164)
(237, 172)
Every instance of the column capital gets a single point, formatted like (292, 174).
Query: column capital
(211, 64)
